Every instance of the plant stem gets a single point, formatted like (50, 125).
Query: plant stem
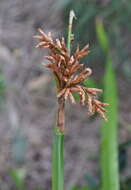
(58, 161)
(70, 35)
(58, 148)
(58, 138)
(61, 115)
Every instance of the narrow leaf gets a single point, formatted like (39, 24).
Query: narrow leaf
(101, 35)
(109, 146)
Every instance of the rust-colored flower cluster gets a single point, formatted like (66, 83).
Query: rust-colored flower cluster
(70, 74)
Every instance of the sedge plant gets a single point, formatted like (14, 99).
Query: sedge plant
(69, 76)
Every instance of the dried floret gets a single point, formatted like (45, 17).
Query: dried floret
(70, 73)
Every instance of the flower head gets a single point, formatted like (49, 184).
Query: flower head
(70, 74)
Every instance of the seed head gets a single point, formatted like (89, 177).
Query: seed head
(70, 74)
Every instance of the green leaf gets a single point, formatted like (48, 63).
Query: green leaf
(101, 34)
(90, 83)
(109, 145)
(18, 175)
(82, 188)
(85, 188)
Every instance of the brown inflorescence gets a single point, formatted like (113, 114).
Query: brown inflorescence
(70, 74)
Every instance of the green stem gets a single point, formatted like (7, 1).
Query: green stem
(70, 35)
(58, 138)
(58, 161)
(58, 148)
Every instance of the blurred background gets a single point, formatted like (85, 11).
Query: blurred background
(27, 92)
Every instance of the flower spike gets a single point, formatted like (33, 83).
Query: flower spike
(70, 74)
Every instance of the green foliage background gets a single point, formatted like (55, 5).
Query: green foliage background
(116, 15)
